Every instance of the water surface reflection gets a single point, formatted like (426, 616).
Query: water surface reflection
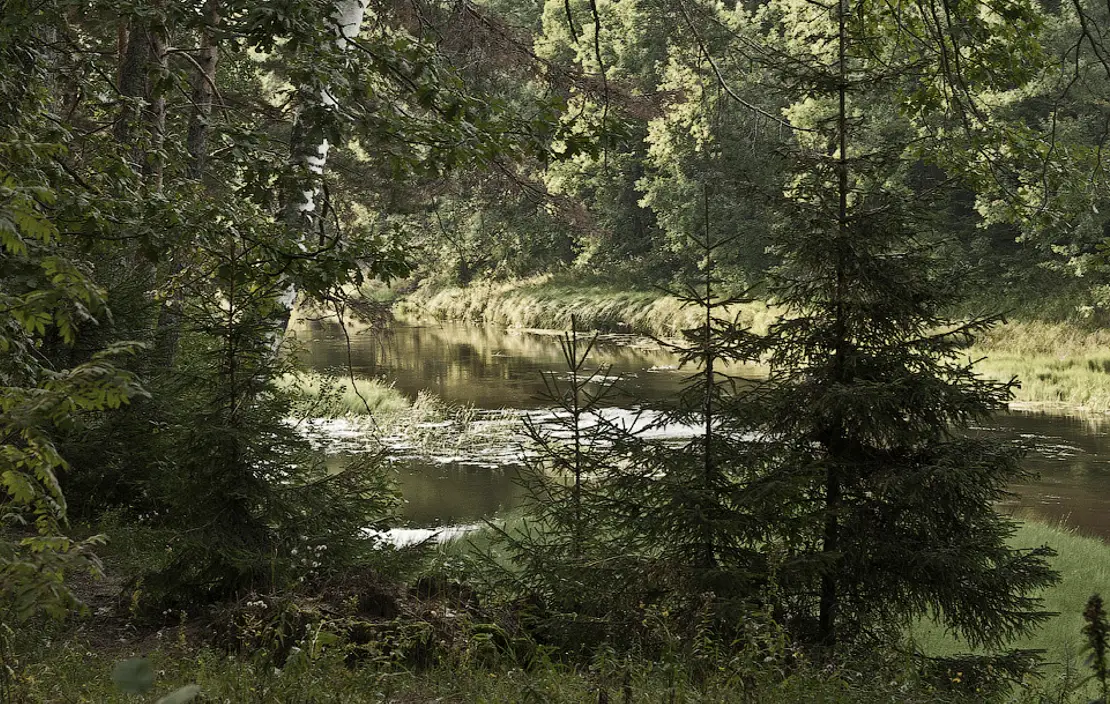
(491, 368)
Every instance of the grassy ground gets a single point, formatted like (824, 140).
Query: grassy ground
(74, 674)
(1084, 566)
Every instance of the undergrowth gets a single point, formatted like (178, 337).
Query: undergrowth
(481, 664)
(368, 639)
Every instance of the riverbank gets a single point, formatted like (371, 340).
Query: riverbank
(1060, 365)
(548, 304)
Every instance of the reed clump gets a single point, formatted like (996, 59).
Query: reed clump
(328, 396)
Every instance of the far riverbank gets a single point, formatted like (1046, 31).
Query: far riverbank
(1062, 366)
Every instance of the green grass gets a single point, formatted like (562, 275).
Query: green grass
(76, 671)
(1084, 565)
(481, 543)
(543, 303)
(1058, 364)
(333, 397)
(1073, 382)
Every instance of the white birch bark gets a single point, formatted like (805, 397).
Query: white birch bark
(347, 19)
(347, 16)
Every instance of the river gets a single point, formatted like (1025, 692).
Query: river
(491, 369)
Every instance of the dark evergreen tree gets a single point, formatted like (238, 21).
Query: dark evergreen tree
(682, 504)
(650, 511)
(566, 560)
(886, 506)
(263, 508)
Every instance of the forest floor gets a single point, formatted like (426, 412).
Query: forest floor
(438, 644)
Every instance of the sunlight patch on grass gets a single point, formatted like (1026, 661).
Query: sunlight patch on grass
(325, 396)
(1084, 566)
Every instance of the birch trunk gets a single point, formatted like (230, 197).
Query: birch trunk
(301, 210)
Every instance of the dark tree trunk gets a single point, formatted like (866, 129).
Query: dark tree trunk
(204, 83)
(836, 445)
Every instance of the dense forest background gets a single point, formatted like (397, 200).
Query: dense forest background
(176, 178)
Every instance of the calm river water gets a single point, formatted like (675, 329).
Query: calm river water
(491, 368)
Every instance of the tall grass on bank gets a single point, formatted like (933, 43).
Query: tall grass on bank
(1064, 364)
(540, 303)
(1073, 382)
(1084, 566)
(1061, 364)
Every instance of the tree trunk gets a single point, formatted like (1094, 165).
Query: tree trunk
(133, 85)
(835, 446)
(301, 212)
(204, 83)
(196, 142)
(142, 122)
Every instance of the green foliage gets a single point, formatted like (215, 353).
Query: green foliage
(685, 508)
(562, 562)
(46, 297)
(201, 221)
(1097, 632)
(660, 534)
(71, 672)
(841, 478)
(849, 154)
(264, 506)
